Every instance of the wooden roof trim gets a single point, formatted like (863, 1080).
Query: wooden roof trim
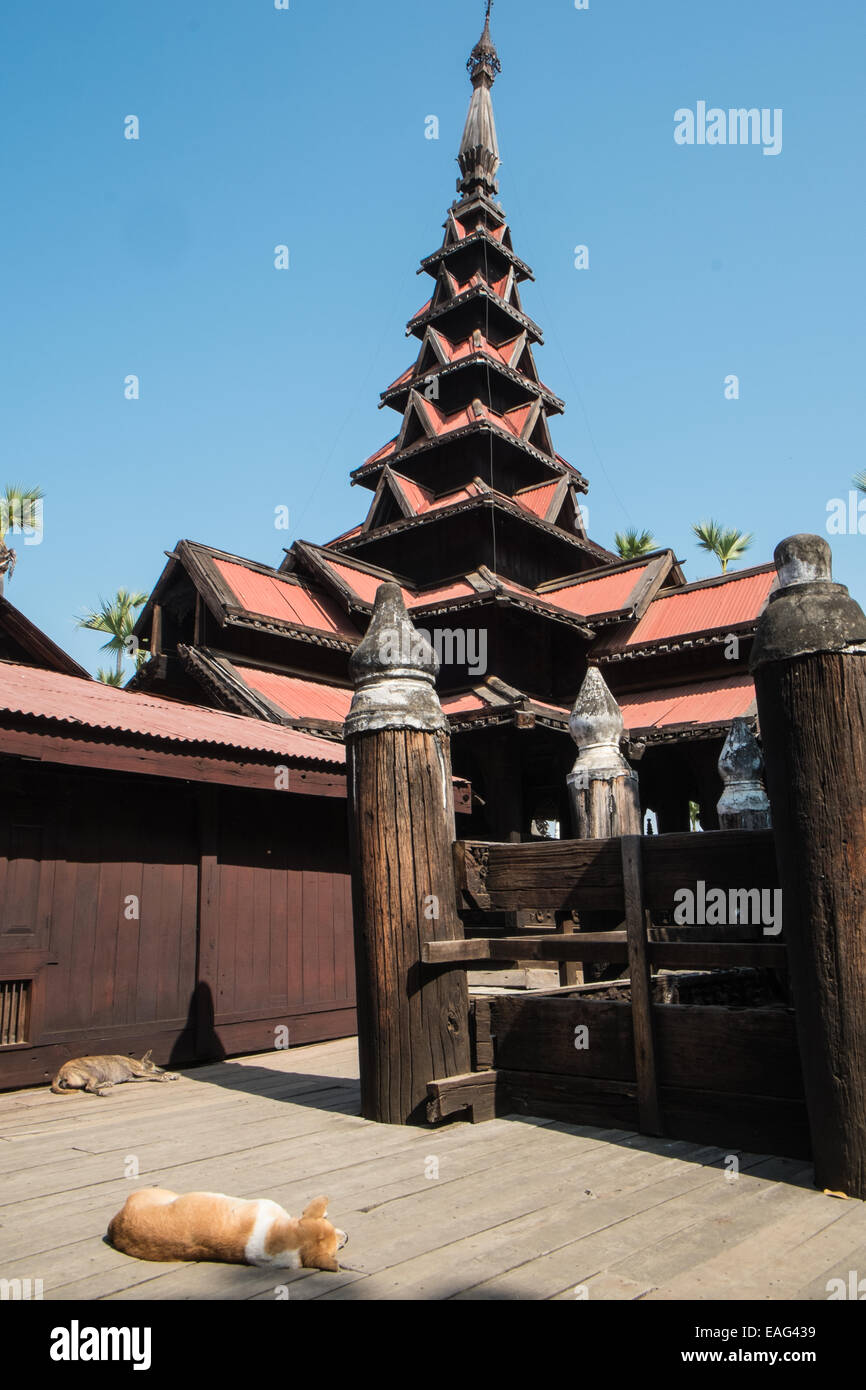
(37, 643)
(387, 483)
(708, 637)
(479, 357)
(490, 497)
(427, 316)
(554, 463)
(501, 597)
(480, 234)
(217, 678)
(284, 627)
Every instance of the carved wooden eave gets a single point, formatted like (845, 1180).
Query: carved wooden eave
(552, 463)
(319, 561)
(712, 637)
(480, 236)
(218, 680)
(432, 314)
(639, 739)
(420, 375)
(216, 674)
(491, 500)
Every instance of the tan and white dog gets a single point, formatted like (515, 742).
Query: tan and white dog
(155, 1224)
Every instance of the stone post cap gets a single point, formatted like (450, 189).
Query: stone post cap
(808, 613)
(394, 669)
(596, 725)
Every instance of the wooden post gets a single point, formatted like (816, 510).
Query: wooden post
(744, 804)
(413, 1021)
(809, 664)
(649, 1110)
(602, 787)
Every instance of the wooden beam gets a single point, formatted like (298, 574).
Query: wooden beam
(641, 987)
(478, 1092)
(604, 946)
(560, 874)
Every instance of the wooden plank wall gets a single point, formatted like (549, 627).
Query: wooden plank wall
(725, 1075)
(76, 845)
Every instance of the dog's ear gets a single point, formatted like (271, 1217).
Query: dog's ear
(327, 1262)
(316, 1209)
(146, 1057)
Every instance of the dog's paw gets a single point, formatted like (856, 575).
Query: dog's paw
(171, 1076)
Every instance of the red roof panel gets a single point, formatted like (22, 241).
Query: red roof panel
(537, 500)
(704, 702)
(603, 595)
(290, 601)
(362, 584)
(93, 705)
(725, 603)
(297, 696)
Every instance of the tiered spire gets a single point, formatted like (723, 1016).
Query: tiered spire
(474, 411)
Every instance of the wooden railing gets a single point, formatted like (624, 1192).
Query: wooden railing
(635, 875)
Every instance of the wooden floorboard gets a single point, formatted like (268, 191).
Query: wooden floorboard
(518, 1208)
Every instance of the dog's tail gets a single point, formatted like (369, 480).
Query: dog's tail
(59, 1087)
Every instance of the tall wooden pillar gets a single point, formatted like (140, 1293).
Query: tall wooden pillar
(412, 1020)
(809, 664)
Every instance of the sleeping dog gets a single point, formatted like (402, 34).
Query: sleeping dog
(155, 1224)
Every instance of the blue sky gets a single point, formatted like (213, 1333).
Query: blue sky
(259, 388)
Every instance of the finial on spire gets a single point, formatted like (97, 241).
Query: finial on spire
(479, 150)
(484, 61)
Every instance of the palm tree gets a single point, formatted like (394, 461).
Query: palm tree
(859, 480)
(632, 544)
(19, 507)
(725, 542)
(116, 617)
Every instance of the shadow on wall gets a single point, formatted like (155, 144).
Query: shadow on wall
(199, 1040)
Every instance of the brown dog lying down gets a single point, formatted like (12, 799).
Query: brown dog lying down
(155, 1224)
(98, 1074)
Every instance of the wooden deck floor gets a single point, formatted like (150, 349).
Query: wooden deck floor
(521, 1208)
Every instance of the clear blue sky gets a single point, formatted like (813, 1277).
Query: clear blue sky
(259, 388)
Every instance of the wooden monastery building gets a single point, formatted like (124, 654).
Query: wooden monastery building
(478, 518)
(173, 856)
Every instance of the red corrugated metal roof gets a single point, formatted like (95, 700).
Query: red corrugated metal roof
(704, 702)
(537, 500)
(460, 588)
(458, 704)
(724, 603)
(274, 597)
(603, 595)
(418, 497)
(297, 696)
(361, 583)
(24, 690)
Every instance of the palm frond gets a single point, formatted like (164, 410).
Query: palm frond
(631, 544)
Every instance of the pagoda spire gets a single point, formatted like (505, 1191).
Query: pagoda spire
(479, 148)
